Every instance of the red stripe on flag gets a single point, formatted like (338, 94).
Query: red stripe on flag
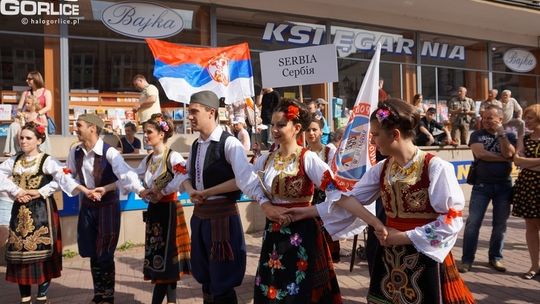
(175, 54)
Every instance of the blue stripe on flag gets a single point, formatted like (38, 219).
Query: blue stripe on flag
(197, 75)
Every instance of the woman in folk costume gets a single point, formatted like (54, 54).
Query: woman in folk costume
(34, 249)
(326, 154)
(295, 265)
(167, 243)
(423, 203)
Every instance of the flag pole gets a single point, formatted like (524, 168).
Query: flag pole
(301, 94)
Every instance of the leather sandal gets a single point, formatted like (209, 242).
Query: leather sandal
(530, 275)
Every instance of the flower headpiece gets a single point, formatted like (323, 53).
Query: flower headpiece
(293, 112)
(382, 114)
(163, 125)
(40, 129)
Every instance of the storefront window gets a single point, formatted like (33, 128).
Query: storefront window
(453, 52)
(523, 87)
(108, 66)
(195, 20)
(21, 55)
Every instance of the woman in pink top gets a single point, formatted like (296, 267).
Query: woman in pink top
(44, 97)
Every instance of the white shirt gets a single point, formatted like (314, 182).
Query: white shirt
(235, 155)
(147, 92)
(444, 193)
(148, 177)
(313, 166)
(51, 166)
(127, 177)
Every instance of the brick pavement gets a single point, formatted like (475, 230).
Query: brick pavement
(488, 285)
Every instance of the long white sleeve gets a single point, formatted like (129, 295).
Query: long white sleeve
(6, 171)
(246, 179)
(127, 177)
(437, 238)
(63, 180)
(339, 222)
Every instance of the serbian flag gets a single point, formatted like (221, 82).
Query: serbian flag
(184, 70)
(355, 154)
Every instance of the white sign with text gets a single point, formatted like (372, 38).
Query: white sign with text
(300, 66)
(519, 60)
(142, 20)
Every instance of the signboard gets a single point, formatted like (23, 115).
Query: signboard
(142, 20)
(308, 65)
(350, 40)
(5, 111)
(519, 60)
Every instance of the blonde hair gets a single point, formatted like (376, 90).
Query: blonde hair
(534, 109)
(35, 101)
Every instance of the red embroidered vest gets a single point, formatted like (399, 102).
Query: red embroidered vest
(406, 200)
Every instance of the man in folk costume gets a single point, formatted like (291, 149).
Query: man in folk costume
(218, 250)
(96, 164)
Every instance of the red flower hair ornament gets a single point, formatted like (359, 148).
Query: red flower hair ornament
(40, 129)
(293, 112)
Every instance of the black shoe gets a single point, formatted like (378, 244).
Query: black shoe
(44, 301)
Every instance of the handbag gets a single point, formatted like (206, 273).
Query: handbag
(51, 126)
(471, 176)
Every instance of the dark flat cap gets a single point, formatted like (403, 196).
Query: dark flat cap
(207, 98)
(92, 119)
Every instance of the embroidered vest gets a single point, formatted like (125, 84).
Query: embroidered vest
(216, 169)
(406, 201)
(34, 181)
(165, 176)
(294, 187)
(103, 174)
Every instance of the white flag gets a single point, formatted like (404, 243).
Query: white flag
(355, 154)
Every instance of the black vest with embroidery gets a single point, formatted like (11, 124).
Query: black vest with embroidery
(216, 169)
(103, 174)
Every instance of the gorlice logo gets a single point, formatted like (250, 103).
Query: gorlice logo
(142, 20)
(519, 60)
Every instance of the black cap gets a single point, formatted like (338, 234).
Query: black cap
(207, 98)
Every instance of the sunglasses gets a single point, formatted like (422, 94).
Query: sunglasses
(29, 78)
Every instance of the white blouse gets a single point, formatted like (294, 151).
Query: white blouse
(434, 239)
(148, 177)
(313, 166)
(51, 166)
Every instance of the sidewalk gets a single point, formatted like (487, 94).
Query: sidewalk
(488, 285)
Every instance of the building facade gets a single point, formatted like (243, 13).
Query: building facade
(429, 47)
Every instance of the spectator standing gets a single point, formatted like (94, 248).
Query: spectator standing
(491, 100)
(426, 128)
(269, 102)
(493, 149)
(461, 109)
(129, 143)
(513, 112)
(239, 126)
(321, 103)
(526, 198)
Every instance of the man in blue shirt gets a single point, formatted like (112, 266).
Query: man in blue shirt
(493, 150)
